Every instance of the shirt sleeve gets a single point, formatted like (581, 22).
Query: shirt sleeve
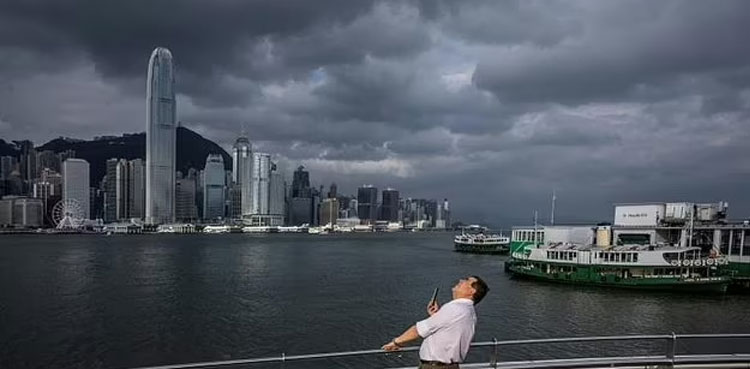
(432, 324)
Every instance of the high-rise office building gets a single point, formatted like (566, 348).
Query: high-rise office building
(277, 194)
(185, 207)
(76, 184)
(48, 188)
(242, 162)
(329, 211)
(213, 187)
(234, 202)
(136, 189)
(110, 190)
(261, 174)
(47, 159)
(7, 165)
(122, 189)
(301, 183)
(367, 203)
(300, 211)
(446, 213)
(160, 138)
(332, 191)
(389, 208)
(27, 164)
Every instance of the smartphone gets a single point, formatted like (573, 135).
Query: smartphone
(434, 296)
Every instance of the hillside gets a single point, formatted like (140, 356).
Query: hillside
(192, 150)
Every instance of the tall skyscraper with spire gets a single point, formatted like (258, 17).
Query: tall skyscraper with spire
(242, 164)
(161, 136)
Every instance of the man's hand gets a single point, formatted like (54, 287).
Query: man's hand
(391, 346)
(432, 308)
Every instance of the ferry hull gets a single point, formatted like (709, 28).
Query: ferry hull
(495, 249)
(586, 276)
(740, 273)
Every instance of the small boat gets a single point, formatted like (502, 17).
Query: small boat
(476, 239)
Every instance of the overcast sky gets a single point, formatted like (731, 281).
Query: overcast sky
(492, 104)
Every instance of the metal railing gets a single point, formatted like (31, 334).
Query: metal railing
(669, 358)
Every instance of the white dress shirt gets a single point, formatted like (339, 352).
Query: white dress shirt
(448, 333)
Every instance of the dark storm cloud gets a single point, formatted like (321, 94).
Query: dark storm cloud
(613, 59)
(489, 103)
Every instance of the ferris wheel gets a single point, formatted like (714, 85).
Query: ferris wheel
(68, 214)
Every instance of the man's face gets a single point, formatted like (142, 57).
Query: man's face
(464, 287)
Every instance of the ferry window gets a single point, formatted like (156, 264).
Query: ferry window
(736, 240)
(635, 258)
(724, 243)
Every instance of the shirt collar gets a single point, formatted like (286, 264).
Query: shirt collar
(464, 300)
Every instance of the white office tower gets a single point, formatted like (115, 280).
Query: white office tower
(259, 187)
(76, 184)
(213, 187)
(241, 175)
(160, 139)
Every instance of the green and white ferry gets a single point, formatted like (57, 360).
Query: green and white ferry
(657, 227)
(628, 266)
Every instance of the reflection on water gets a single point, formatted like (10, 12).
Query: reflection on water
(90, 301)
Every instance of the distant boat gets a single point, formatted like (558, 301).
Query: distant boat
(478, 240)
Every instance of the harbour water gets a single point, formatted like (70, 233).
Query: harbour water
(127, 301)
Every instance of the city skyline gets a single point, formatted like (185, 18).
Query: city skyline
(494, 105)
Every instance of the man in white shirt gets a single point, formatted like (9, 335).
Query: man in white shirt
(448, 332)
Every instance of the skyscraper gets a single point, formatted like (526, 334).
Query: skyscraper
(7, 165)
(76, 183)
(277, 195)
(27, 167)
(390, 205)
(332, 192)
(367, 203)
(261, 173)
(137, 189)
(242, 173)
(185, 207)
(213, 187)
(301, 183)
(122, 189)
(329, 211)
(160, 138)
(110, 190)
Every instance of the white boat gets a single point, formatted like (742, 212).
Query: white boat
(477, 239)
(217, 229)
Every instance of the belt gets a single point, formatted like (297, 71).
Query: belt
(435, 363)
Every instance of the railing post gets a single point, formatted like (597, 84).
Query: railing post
(493, 362)
(671, 346)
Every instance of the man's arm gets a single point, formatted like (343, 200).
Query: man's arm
(398, 342)
(412, 333)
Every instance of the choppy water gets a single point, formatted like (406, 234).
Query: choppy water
(127, 301)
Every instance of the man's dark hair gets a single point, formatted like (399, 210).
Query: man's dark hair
(480, 289)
